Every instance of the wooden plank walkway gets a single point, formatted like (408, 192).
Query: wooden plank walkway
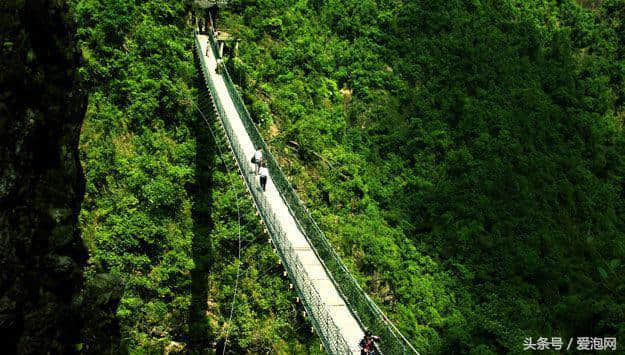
(338, 310)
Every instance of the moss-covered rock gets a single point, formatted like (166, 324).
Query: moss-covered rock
(41, 183)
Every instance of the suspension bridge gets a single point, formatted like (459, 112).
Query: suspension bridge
(337, 306)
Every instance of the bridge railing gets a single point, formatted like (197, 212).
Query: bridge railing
(368, 314)
(330, 334)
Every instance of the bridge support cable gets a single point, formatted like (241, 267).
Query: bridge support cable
(367, 312)
(363, 309)
(329, 333)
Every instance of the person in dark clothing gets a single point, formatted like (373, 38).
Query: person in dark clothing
(264, 172)
(220, 346)
(200, 26)
(367, 346)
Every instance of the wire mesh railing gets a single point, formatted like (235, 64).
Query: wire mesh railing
(368, 314)
(329, 332)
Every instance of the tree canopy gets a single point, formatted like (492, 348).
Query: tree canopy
(465, 156)
(466, 159)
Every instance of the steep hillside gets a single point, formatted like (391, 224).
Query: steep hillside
(160, 212)
(41, 182)
(465, 157)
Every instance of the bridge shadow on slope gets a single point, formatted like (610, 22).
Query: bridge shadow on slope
(202, 249)
(205, 253)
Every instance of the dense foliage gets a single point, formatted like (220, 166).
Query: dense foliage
(466, 157)
(160, 212)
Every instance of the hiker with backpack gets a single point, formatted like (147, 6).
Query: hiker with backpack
(257, 159)
(367, 346)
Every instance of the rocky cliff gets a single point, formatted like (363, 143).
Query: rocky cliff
(41, 181)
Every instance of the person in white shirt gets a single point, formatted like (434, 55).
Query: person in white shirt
(219, 66)
(258, 158)
(264, 173)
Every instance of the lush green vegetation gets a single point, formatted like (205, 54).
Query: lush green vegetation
(466, 157)
(159, 213)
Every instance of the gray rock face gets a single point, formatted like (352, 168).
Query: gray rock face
(41, 182)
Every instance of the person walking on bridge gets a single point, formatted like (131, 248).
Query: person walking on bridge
(257, 159)
(367, 346)
(220, 65)
(264, 174)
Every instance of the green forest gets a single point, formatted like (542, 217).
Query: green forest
(160, 210)
(466, 159)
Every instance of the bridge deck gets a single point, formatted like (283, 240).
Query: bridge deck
(334, 302)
